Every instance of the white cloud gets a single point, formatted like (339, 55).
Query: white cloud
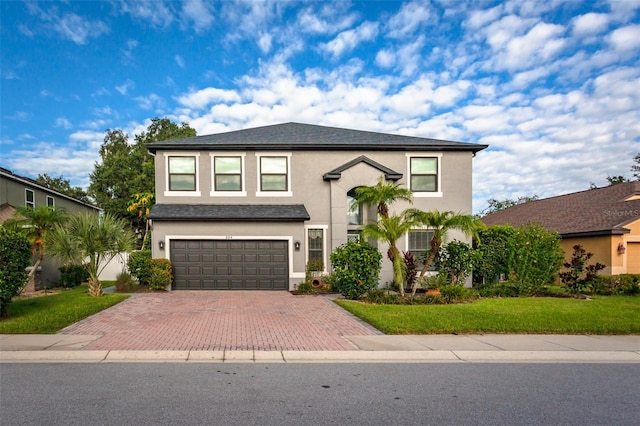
(78, 29)
(265, 42)
(348, 40)
(124, 88)
(590, 24)
(541, 43)
(64, 123)
(179, 61)
(409, 19)
(480, 18)
(328, 21)
(201, 98)
(156, 13)
(199, 13)
(153, 101)
(385, 58)
(626, 38)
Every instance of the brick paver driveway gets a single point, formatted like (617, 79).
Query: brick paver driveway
(223, 320)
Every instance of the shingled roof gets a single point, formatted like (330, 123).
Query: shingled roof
(599, 211)
(230, 212)
(299, 136)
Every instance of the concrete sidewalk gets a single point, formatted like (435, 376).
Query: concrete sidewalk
(377, 348)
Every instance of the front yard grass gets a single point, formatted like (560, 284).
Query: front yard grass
(545, 315)
(49, 314)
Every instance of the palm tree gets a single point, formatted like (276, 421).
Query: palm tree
(389, 229)
(441, 223)
(381, 195)
(91, 240)
(34, 224)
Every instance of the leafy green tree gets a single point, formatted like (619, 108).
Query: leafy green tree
(499, 205)
(91, 240)
(635, 168)
(63, 186)
(389, 229)
(579, 272)
(127, 169)
(381, 195)
(455, 260)
(35, 224)
(15, 256)
(493, 244)
(141, 204)
(614, 180)
(442, 223)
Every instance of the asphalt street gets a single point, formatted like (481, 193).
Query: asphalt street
(319, 394)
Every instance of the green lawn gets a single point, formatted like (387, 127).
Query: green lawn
(602, 315)
(49, 314)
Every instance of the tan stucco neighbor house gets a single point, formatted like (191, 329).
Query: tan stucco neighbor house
(247, 209)
(605, 221)
(17, 191)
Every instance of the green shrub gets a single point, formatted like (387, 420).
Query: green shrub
(356, 269)
(493, 261)
(139, 265)
(500, 289)
(73, 275)
(455, 293)
(305, 287)
(455, 261)
(434, 282)
(160, 274)
(125, 282)
(625, 284)
(15, 256)
(411, 268)
(535, 257)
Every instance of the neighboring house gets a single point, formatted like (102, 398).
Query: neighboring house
(605, 221)
(247, 209)
(17, 191)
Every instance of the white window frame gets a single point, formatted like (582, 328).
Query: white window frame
(241, 193)
(406, 242)
(423, 194)
(28, 203)
(169, 193)
(53, 201)
(259, 192)
(324, 229)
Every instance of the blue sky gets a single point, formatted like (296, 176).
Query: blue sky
(552, 86)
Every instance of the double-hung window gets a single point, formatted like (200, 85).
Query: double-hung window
(425, 176)
(182, 175)
(51, 202)
(274, 175)
(228, 175)
(316, 238)
(29, 198)
(418, 243)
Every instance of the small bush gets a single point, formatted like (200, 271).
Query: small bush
(73, 275)
(625, 284)
(501, 289)
(305, 287)
(160, 274)
(456, 293)
(411, 266)
(455, 260)
(125, 282)
(580, 274)
(356, 269)
(434, 282)
(139, 265)
(15, 256)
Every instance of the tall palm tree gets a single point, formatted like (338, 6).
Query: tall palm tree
(34, 223)
(381, 195)
(389, 229)
(91, 240)
(441, 223)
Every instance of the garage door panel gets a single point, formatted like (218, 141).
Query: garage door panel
(230, 264)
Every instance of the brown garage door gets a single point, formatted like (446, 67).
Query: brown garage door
(230, 265)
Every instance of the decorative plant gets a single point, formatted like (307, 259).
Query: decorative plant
(161, 274)
(15, 256)
(356, 269)
(411, 268)
(580, 274)
(455, 260)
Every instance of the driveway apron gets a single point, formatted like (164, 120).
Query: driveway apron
(223, 320)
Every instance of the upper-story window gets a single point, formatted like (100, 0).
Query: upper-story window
(182, 174)
(425, 176)
(51, 202)
(228, 174)
(274, 175)
(29, 198)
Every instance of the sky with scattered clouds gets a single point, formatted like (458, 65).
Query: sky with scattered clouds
(552, 86)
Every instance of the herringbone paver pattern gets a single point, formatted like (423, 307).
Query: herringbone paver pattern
(223, 320)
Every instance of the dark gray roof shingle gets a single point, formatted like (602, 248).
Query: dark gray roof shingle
(230, 212)
(600, 211)
(310, 137)
(337, 172)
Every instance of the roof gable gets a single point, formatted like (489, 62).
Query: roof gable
(299, 136)
(337, 172)
(599, 211)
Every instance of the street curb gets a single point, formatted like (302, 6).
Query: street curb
(232, 356)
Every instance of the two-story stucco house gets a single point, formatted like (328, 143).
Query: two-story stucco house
(247, 209)
(18, 191)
